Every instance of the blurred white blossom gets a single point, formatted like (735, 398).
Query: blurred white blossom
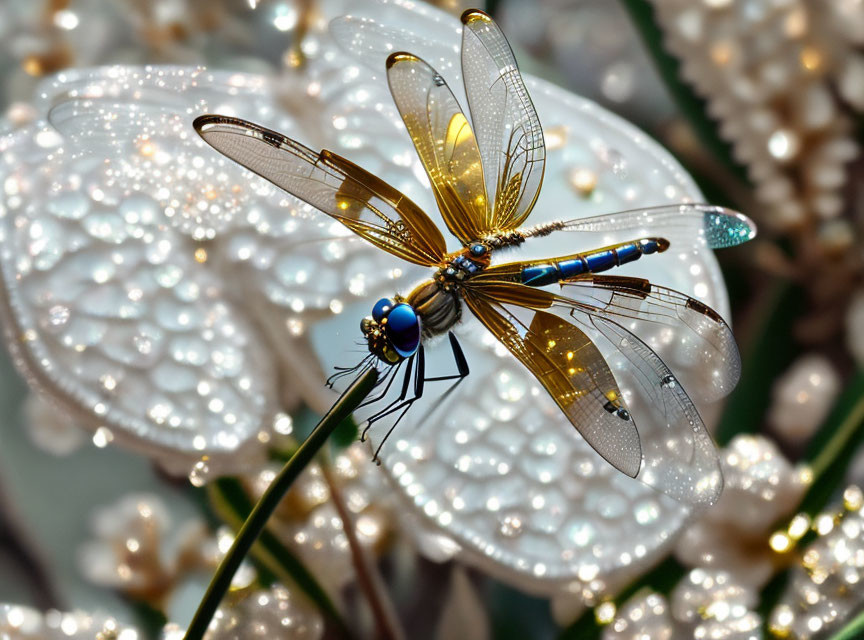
(705, 604)
(772, 74)
(802, 397)
(23, 623)
(761, 486)
(50, 429)
(248, 613)
(138, 550)
(825, 587)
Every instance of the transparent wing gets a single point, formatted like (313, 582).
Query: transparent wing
(678, 455)
(682, 224)
(571, 369)
(675, 454)
(362, 202)
(506, 124)
(445, 143)
(696, 338)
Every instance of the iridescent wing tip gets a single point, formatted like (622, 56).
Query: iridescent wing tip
(726, 228)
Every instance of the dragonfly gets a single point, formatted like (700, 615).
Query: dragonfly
(486, 174)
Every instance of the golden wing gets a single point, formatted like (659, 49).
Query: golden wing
(508, 130)
(364, 203)
(445, 143)
(568, 365)
(656, 435)
(696, 337)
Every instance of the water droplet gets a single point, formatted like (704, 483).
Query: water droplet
(511, 525)
(103, 437)
(58, 315)
(200, 473)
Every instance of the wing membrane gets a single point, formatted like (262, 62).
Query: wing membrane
(675, 454)
(698, 339)
(692, 225)
(361, 201)
(445, 143)
(572, 370)
(506, 124)
(678, 455)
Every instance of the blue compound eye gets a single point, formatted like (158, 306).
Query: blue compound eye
(403, 329)
(382, 308)
(478, 250)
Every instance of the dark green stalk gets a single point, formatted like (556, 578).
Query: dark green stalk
(274, 561)
(853, 630)
(262, 511)
(691, 106)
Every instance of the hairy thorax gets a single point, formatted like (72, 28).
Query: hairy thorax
(438, 301)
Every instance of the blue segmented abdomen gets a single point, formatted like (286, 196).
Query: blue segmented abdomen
(540, 275)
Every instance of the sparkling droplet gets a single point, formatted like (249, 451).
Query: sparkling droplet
(58, 315)
(103, 437)
(783, 144)
(200, 473)
(511, 525)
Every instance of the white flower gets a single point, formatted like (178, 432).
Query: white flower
(123, 307)
(825, 589)
(760, 488)
(258, 613)
(139, 551)
(705, 604)
(802, 397)
(49, 429)
(23, 623)
(769, 73)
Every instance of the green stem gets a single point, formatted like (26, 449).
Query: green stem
(853, 630)
(257, 520)
(274, 561)
(834, 445)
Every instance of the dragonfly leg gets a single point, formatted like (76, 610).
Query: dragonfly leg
(388, 409)
(459, 357)
(341, 372)
(419, 383)
(393, 373)
(401, 405)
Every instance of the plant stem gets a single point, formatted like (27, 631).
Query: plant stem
(229, 500)
(853, 629)
(257, 520)
(367, 573)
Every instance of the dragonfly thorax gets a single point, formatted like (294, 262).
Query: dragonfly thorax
(463, 264)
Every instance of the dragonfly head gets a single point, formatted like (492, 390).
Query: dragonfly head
(392, 331)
